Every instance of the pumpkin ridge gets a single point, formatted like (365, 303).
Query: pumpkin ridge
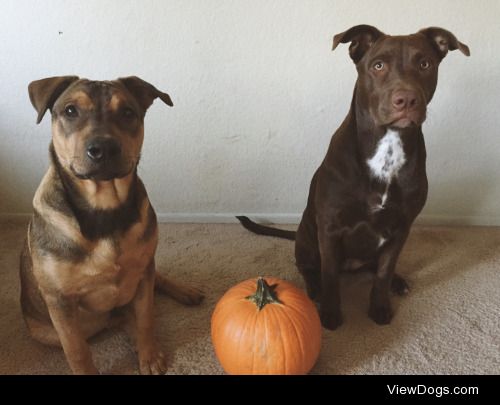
(266, 330)
(297, 334)
(242, 340)
(223, 315)
(254, 329)
(299, 310)
(277, 321)
(228, 329)
(283, 337)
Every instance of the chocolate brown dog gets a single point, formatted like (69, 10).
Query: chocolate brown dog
(372, 183)
(88, 260)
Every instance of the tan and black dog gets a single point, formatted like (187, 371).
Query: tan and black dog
(88, 260)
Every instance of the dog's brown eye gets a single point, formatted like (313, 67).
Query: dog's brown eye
(425, 64)
(70, 111)
(378, 65)
(128, 112)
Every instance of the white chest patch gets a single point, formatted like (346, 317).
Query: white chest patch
(389, 157)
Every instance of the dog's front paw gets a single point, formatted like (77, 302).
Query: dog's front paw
(381, 314)
(331, 320)
(399, 285)
(152, 362)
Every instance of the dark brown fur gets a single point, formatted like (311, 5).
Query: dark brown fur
(345, 221)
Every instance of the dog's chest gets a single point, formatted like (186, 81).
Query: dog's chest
(385, 166)
(388, 159)
(113, 271)
(372, 226)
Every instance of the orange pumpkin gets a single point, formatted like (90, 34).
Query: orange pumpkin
(266, 326)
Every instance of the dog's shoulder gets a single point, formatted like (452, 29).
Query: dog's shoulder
(54, 229)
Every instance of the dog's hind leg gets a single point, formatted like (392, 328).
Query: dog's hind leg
(309, 265)
(181, 293)
(46, 334)
(42, 332)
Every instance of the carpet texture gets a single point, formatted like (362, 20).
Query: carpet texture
(449, 323)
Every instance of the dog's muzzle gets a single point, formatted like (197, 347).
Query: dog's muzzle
(103, 161)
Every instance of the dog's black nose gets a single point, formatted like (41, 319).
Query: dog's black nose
(95, 152)
(103, 148)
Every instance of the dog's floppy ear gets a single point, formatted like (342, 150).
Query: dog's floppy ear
(444, 41)
(44, 92)
(361, 37)
(144, 92)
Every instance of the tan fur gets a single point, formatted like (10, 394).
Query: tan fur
(68, 226)
(71, 149)
(81, 99)
(109, 275)
(105, 194)
(116, 102)
(69, 296)
(66, 149)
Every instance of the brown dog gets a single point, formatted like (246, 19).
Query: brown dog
(372, 183)
(88, 260)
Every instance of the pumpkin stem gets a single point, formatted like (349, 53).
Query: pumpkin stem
(264, 295)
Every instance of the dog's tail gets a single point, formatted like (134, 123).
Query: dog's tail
(265, 230)
(181, 293)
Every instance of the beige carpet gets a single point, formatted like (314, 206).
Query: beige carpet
(449, 323)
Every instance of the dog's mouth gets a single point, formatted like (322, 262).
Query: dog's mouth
(404, 122)
(407, 119)
(100, 176)
(103, 172)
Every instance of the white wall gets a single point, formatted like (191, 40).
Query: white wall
(257, 96)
